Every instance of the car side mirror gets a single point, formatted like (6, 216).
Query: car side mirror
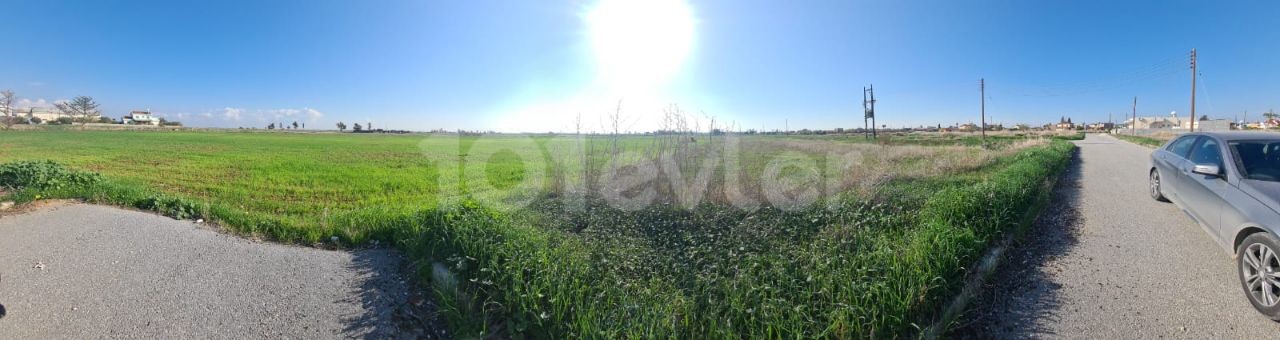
(1207, 169)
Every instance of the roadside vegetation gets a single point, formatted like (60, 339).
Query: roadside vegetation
(878, 250)
(1141, 140)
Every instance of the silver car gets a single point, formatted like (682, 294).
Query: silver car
(1229, 182)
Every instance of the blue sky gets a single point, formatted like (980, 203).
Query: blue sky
(536, 65)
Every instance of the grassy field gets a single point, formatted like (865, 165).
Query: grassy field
(738, 237)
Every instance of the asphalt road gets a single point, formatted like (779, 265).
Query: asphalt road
(1105, 261)
(85, 271)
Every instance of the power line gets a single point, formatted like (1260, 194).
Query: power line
(1208, 99)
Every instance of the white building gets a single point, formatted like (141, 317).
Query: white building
(1173, 121)
(44, 114)
(140, 118)
(1157, 122)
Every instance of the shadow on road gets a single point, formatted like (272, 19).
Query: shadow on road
(394, 307)
(1021, 292)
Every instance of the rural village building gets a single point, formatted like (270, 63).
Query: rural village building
(140, 118)
(1173, 121)
(44, 114)
(1156, 122)
(1101, 126)
(1065, 123)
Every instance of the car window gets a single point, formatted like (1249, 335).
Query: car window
(1207, 152)
(1258, 160)
(1182, 145)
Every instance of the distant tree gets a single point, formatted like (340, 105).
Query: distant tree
(271, 126)
(304, 126)
(368, 126)
(64, 121)
(357, 128)
(106, 120)
(295, 125)
(1204, 117)
(6, 108)
(342, 127)
(36, 120)
(80, 108)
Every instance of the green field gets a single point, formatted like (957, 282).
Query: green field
(519, 235)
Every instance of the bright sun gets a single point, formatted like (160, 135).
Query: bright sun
(639, 44)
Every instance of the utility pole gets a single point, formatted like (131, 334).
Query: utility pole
(864, 114)
(869, 109)
(1133, 126)
(1193, 90)
(982, 88)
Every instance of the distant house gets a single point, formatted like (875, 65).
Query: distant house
(1270, 123)
(1065, 123)
(968, 127)
(1102, 126)
(140, 118)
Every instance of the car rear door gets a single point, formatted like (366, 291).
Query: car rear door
(1202, 195)
(1170, 163)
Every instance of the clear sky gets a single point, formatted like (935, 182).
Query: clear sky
(535, 65)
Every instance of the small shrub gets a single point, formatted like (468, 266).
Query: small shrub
(176, 207)
(43, 175)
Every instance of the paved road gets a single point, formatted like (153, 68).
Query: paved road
(85, 271)
(1108, 262)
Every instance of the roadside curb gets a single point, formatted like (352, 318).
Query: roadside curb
(989, 262)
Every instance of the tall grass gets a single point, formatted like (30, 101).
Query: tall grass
(1141, 140)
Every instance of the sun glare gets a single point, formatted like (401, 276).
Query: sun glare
(639, 45)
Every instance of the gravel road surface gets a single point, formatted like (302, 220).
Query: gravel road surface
(86, 271)
(1105, 261)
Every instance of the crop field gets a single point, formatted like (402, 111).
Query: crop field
(682, 235)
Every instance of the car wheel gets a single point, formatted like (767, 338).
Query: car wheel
(1260, 273)
(1156, 191)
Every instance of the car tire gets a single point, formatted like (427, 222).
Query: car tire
(1156, 186)
(1257, 258)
